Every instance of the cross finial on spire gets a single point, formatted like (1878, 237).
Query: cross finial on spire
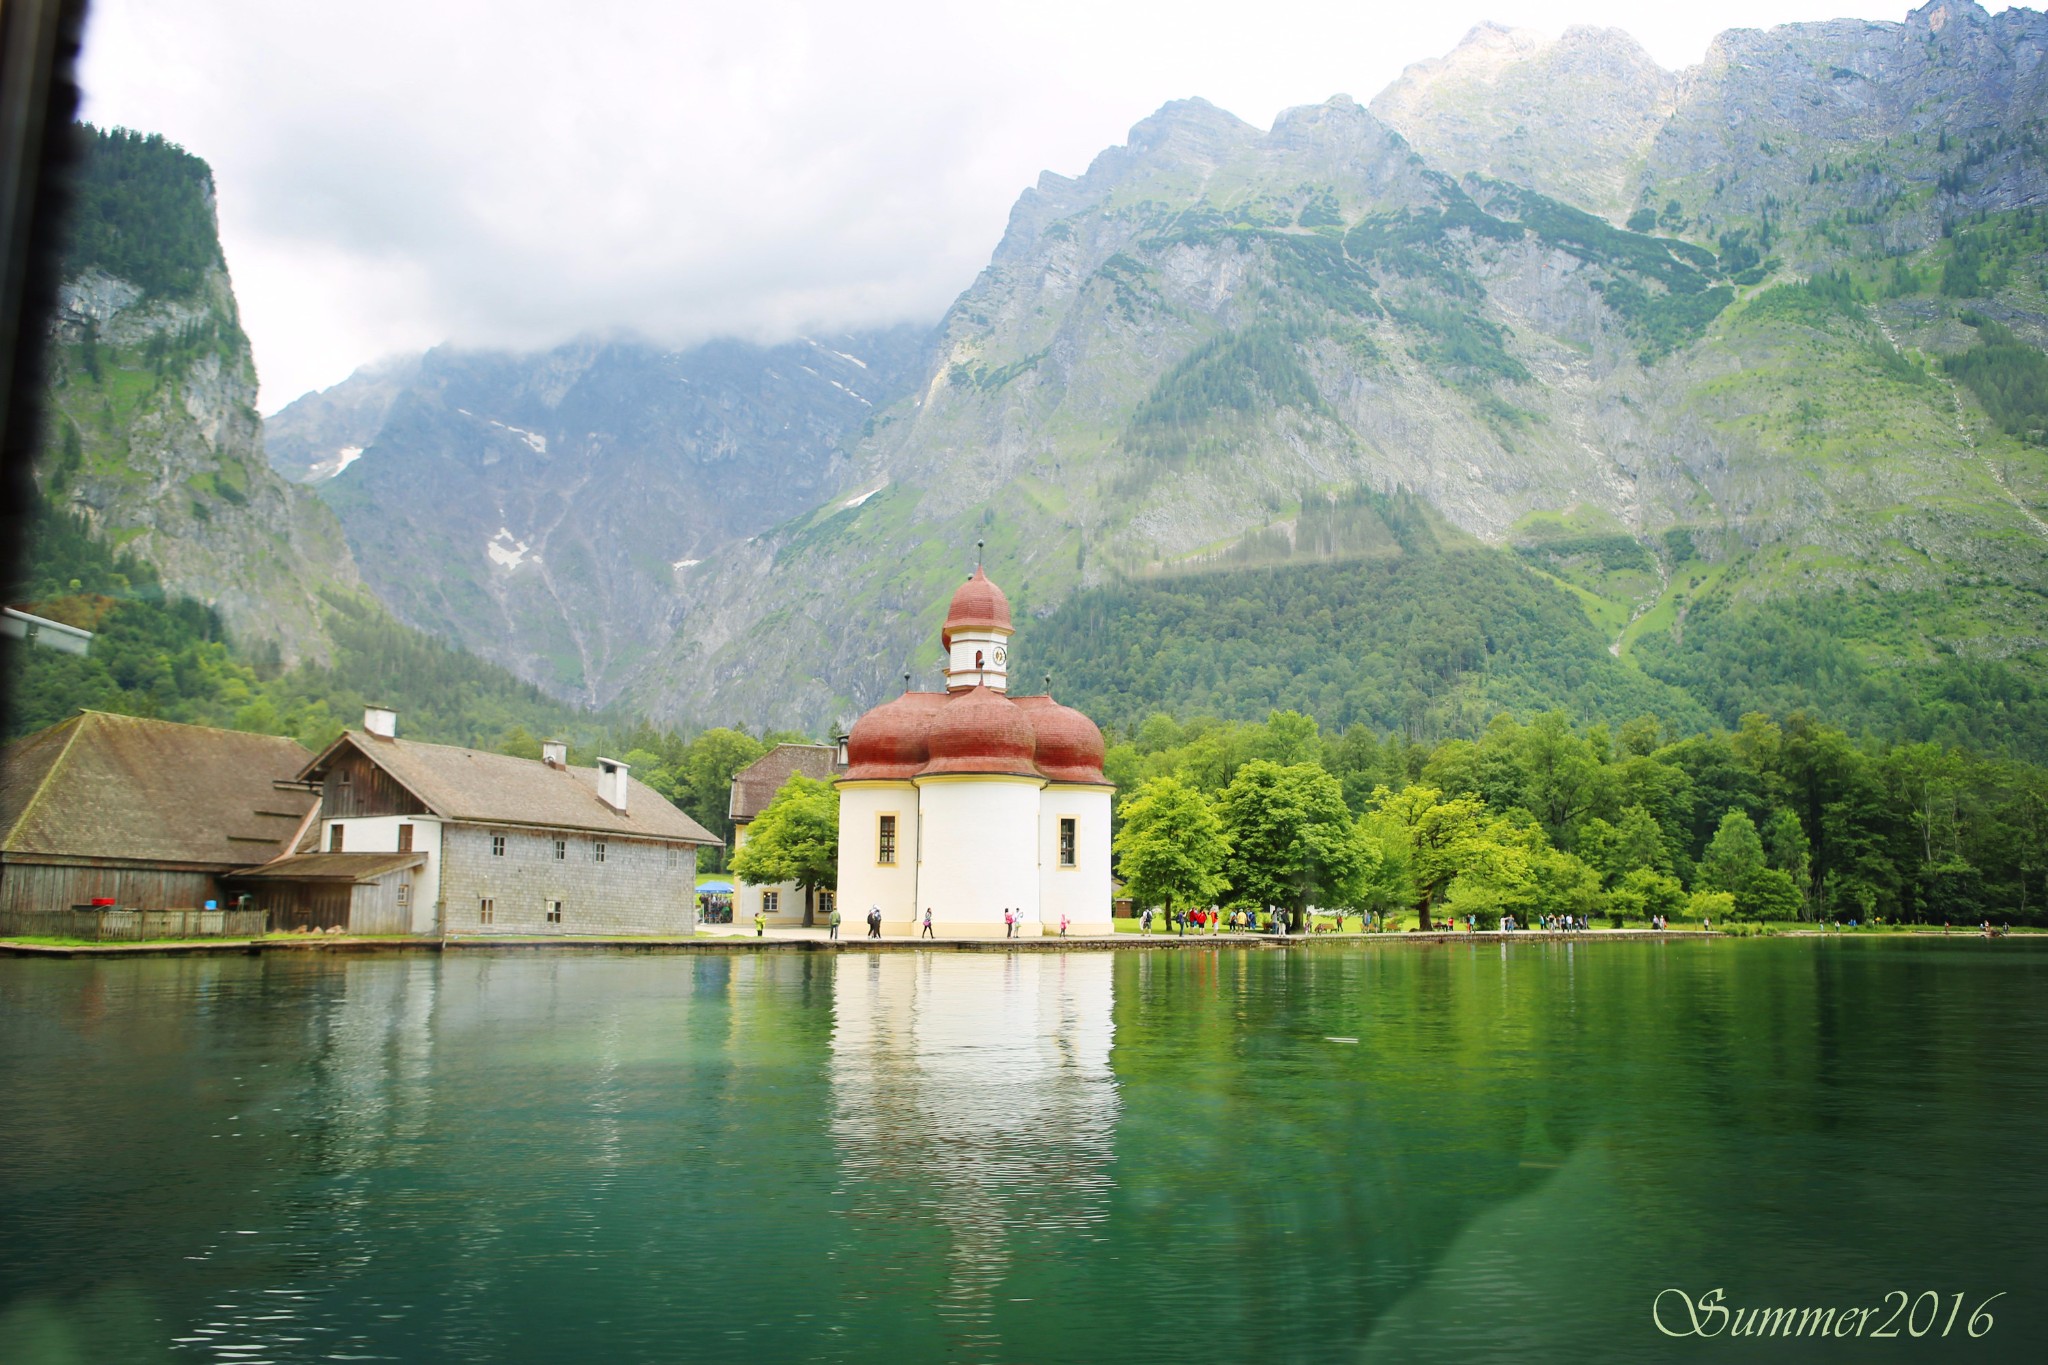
(978, 546)
(906, 682)
(1048, 684)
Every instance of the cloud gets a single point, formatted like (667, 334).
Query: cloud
(392, 175)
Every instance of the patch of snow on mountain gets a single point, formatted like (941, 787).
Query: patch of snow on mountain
(508, 551)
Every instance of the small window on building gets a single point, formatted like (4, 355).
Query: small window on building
(675, 857)
(483, 911)
(769, 901)
(405, 838)
(826, 900)
(554, 912)
(597, 851)
(561, 850)
(885, 840)
(334, 838)
(1067, 840)
(497, 845)
(404, 895)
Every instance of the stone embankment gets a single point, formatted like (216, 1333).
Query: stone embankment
(806, 941)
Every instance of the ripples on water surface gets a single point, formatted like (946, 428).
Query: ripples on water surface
(1034, 1157)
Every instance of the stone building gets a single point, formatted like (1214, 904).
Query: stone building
(973, 803)
(753, 787)
(489, 844)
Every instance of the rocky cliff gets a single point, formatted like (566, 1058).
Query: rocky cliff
(151, 430)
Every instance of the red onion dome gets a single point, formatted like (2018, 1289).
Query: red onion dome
(980, 731)
(888, 743)
(1069, 745)
(979, 605)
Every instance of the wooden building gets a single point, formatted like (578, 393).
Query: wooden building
(496, 844)
(148, 814)
(355, 893)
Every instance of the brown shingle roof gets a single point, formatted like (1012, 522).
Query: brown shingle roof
(329, 867)
(755, 785)
(107, 786)
(477, 787)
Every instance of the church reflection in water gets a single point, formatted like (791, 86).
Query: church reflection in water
(978, 1086)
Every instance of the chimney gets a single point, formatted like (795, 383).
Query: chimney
(555, 752)
(381, 721)
(611, 783)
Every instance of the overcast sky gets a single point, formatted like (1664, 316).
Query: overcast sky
(394, 175)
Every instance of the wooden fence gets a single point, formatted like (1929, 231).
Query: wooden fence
(120, 925)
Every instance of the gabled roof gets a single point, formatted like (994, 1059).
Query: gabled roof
(329, 867)
(755, 785)
(473, 786)
(107, 786)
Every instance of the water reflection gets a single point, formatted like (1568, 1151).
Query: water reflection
(1133, 1156)
(976, 1090)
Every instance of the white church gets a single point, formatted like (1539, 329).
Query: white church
(971, 802)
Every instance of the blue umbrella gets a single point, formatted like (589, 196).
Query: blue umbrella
(716, 888)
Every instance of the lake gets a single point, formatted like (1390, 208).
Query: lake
(1371, 1151)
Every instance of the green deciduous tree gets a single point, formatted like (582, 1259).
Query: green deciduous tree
(1171, 846)
(1439, 838)
(1293, 841)
(795, 838)
(1734, 862)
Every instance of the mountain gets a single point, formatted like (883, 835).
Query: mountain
(1743, 364)
(545, 510)
(1572, 117)
(151, 432)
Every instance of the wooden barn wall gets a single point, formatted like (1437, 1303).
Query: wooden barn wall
(367, 790)
(376, 908)
(304, 905)
(41, 886)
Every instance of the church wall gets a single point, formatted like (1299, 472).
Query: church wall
(865, 880)
(1081, 892)
(979, 853)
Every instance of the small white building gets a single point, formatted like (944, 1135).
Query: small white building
(971, 802)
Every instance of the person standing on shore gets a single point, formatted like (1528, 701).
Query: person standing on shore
(760, 924)
(874, 921)
(833, 921)
(928, 923)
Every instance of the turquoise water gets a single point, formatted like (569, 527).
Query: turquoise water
(1141, 1155)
